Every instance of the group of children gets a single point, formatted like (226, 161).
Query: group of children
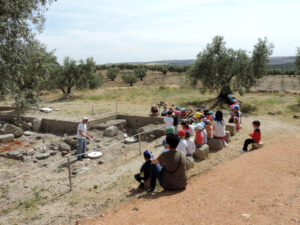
(196, 129)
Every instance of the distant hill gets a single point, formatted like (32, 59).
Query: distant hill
(277, 62)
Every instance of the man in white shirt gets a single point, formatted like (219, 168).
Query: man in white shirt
(82, 135)
(169, 123)
(182, 146)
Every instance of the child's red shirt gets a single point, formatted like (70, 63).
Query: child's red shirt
(256, 135)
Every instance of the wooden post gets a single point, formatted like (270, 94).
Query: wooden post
(70, 178)
(140, 146)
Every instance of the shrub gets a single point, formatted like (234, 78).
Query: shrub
(247, 108)
(129, 78)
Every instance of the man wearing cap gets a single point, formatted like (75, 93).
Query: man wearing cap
(82, 135)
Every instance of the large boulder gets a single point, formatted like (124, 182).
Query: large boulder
(231, 127)
(227, 139)
(36, 124)
(11, 129)
(189, 163)
(111, 131)
(6, 138)
(215, 144)
(63, 147)
(201, 153)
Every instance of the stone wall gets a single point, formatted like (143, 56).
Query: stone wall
(135, 121)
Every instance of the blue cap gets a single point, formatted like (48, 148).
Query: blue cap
(148, 154)
(236, 106)
(177, 107)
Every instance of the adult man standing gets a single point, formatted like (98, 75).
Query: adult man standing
(82, 135)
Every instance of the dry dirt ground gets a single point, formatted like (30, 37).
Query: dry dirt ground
(259, 187)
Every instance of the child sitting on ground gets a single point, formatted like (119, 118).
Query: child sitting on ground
(255, 136)
(191, 145)
(154, 110)
(169, 123)
(145, 169)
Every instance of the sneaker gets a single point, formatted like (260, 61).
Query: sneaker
(151, 190)
(242, 151)
(141, 186)
(225, 144)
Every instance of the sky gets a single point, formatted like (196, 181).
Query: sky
(113, 31)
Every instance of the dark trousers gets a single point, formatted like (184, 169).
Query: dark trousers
(138, 177)
(156, 173)
(246, 143)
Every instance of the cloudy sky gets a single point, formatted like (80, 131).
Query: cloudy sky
(113, 31)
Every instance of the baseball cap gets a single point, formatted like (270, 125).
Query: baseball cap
(199, 126)
(198, 114)
(169, 112)
(236, 106)
(181, 133)
(84, 118)
(148, 154)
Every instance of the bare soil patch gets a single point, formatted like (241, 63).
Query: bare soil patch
(260, 187)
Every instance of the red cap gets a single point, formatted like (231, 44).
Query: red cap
(181, 133)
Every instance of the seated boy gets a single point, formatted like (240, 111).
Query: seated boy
(145, 169)
(154, 110)
(191, 145)
(255, 136)
(182, 146)
(172, 177)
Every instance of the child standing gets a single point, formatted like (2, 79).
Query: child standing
(176, 119)
(169, 123)
(145, 169)
(255, 136)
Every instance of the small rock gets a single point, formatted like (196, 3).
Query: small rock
(52, 152)
(97, 140)
(36, 124)
(296, 116)
(64, 147)
(28, 133)
(30, 152)
(41, 156)
(35, 161)
(246, 215)
(64, 153)
(26, 186)
(100, 162)
(271, 113)
(131, 140)
(125, 135)
(38, 137)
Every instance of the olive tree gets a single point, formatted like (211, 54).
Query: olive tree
(297, 62)
(112, 73)
(140, 72)
(129, 78)
(225, 70)
(71, 74)
(24, 62)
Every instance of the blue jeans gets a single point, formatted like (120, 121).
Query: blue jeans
(81, 148)
(156, 173)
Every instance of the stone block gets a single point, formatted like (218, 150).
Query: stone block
(257, 146)
(189, 162)
(11, 129)
(202, 153)
(36, 124)
(41, 156)
(111, 131)
(215, 144)
(231, 127)
(6, 138)
(227, 139)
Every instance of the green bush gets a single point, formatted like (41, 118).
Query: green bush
(247, 108)
(129, 78)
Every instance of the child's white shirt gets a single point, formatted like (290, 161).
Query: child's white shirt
(191, 146)
(169, 122)
(182, 146)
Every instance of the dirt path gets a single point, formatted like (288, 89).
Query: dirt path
(260, 187)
